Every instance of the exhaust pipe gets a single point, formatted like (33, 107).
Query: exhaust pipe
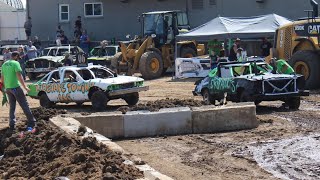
(315, 8)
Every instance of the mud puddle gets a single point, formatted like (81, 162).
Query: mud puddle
(292, 158)
(50, 153)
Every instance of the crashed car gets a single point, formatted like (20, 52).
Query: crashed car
(103, 56)
(96, 84)
(11, 47)
(251, 82)
(52, 58)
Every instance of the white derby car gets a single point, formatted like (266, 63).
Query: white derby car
(94, 83)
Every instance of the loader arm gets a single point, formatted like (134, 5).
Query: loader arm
(148, 43)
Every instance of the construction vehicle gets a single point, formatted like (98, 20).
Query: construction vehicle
(154, 52)
(299, 43)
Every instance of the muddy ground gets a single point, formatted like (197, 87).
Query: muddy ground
(50, 153)
(233, 155)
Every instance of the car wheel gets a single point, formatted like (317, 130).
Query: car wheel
(244, 97)
(207, 98)
(99, 100)
(293, 103)
(45, 101)
(132, 99)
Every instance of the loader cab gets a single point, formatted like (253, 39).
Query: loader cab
(165, 25)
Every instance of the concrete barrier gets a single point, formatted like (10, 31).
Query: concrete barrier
(211, 119)
(109, 125)
(171, 121)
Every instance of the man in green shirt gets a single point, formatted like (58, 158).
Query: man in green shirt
(12, 80)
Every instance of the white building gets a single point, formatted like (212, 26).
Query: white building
(12, 18)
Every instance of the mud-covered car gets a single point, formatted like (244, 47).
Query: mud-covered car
(251, 82)
(94, 83)
(103, 56)
(52, 58)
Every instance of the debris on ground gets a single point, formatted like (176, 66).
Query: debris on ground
(50, 152)
(163, 103)
(81, 130)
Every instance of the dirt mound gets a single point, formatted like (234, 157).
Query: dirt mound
(52, 153)
(46, 114)
(163, 103)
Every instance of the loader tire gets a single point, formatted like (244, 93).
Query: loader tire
(151, 65)
(307, 63)
(188, 52)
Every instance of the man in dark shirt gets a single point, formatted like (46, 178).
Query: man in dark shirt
(78, 23)
(63, 38)
(265, 47)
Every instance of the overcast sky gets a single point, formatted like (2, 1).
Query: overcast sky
(24, 3)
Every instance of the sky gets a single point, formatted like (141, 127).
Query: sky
(24, 3)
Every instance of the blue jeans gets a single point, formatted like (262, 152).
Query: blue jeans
(14, 95)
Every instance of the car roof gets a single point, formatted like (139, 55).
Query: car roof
(61, 47)
(79, 68)
(116, 46)
(162, 12)
(12, 46)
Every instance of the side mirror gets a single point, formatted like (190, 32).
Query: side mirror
(128, 36)
(153, 35)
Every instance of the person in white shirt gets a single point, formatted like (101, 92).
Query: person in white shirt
(31, 51)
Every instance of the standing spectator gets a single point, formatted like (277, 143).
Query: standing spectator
(31, 51)
(58, 40)
(37, 44)
(12, 80)
(6, 54)
(59, 30)
(214, 48)
(22, 61)
(78, 23)
(84, 42)
(27, 27)
(63, 38)
(265, 47)
(233, 50)
(77, 34)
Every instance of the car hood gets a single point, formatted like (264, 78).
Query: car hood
(254, 77)
(100, 58)
(117, 80)
(50, 58)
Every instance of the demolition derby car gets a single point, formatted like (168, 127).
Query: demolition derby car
(103, 56)
(251, 82)
(52, 58)
(94, 83)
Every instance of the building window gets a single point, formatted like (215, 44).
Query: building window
(197, 4)
(213, 2)
(93, 9)
(64, 12)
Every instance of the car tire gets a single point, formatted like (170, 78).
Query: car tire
(207, 98)
(45, 101)
(293, 103)
(99, 100)
(244, 97)
(188, 52)
(132, 99)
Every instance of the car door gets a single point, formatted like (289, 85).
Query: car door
(224, 82)
(77, 89)
(52, 86)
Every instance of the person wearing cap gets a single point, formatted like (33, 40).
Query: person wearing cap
(6, 54)
(233, 50)
(12, 81)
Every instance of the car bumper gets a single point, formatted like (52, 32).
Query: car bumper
(39, 70)
(281, 95)
(128, 91)
(196, 93)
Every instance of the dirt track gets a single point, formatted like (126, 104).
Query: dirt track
(222, 155)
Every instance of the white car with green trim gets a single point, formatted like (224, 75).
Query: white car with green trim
(94, 83)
